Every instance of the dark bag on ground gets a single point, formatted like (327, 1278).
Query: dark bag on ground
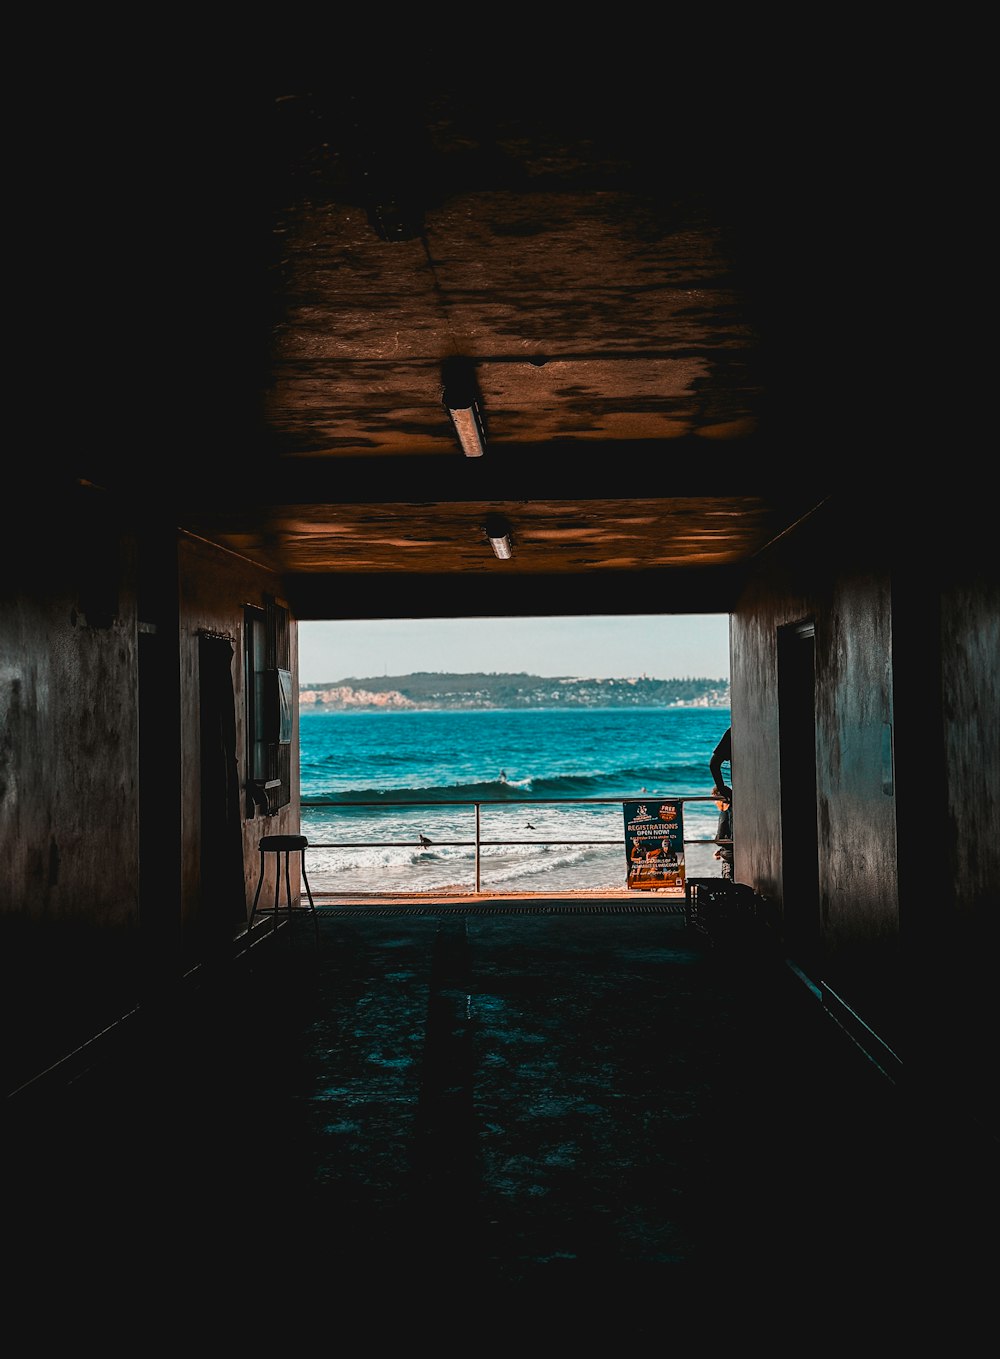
(722, 910)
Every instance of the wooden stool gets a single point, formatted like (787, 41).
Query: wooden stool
(278, 845)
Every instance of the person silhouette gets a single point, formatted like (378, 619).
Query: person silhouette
(723, 794)
(722, 754)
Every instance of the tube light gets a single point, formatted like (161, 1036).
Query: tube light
(469, 428)
(497, 530)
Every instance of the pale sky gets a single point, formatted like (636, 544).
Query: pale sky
(658, 645)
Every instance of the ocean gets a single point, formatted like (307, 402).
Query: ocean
(518, 766)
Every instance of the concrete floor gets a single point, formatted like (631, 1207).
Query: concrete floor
(578, 1118)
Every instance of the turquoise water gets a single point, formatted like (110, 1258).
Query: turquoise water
(516, 765)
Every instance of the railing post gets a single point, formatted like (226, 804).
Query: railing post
(477, 849)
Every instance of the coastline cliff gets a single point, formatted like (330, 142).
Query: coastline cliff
(435, 690)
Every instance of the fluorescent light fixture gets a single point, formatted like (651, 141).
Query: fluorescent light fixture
(469, 428)
(461, 397)
(498, 532)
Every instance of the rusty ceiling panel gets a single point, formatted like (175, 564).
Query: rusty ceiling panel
(548, 537)
(613, 273)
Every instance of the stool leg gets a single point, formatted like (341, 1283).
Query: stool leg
(288, 887)
(312, 904)
(277, 890)
(256, 895)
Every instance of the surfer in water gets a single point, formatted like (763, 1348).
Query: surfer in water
(503, 776)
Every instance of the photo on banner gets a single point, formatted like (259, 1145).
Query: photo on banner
(654, 844)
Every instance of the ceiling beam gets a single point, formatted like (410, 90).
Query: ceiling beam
(575, 471)
(389, 595)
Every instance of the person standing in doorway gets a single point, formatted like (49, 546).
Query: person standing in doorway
(723, 794)
(722, 754)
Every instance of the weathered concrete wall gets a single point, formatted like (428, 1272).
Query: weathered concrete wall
(970, 651)
(100, 844)
(754, 708)
(857, 827)
(70, 947)
(833, 572)
(963, 937)
(69, 727)
(946, 609)
(906, 605)
(214, 588)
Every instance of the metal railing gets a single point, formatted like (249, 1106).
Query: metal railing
(508, 804)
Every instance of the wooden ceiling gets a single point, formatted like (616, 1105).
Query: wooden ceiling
(616, 270)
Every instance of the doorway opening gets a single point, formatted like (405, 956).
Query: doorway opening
(536, 730)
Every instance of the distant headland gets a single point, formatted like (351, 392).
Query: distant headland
(434, 690)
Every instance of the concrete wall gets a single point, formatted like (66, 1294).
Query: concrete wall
(970, 651)
(906, 607)
(100, 809)
(69, 724)
(833, 571)
(214, 587)
(946, 609)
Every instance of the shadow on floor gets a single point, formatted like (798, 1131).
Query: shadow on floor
(574, 1116)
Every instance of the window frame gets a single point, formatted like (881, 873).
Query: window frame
(269, 711)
